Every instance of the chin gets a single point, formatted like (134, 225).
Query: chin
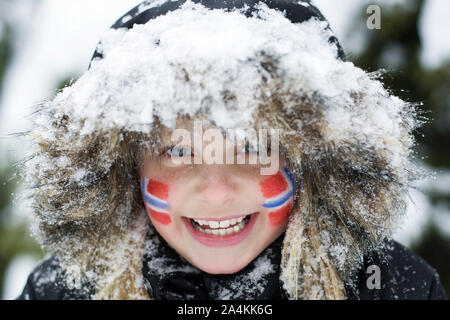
(219, 267)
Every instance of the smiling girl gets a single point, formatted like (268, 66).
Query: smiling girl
(124, 214)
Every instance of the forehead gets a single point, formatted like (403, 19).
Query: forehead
(189, 124)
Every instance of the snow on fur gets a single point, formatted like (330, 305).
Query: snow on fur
(127, 87)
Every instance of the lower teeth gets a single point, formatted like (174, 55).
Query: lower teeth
(222, 232)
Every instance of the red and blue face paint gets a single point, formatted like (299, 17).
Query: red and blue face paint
(278, 190)
(155, 196)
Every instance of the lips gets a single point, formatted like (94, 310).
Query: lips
(220, 232)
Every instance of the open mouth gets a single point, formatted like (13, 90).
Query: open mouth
(222, 227)
(221, 232)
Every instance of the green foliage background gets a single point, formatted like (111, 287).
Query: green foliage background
(411, 81)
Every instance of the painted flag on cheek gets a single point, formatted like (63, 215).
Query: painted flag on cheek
(155, 195)
(278, 190)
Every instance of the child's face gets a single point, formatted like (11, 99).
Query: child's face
(219, 217)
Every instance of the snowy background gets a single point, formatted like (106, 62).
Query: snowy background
(53, 40)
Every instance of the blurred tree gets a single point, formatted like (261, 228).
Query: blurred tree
(14, 236)
(434, 248)
(5, 50)
(396, 47)
(14, 233)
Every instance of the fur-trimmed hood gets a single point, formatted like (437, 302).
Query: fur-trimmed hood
(348, 141)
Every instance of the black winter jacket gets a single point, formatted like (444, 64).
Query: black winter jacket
(403, 275)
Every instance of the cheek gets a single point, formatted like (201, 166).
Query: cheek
(278, 192)
(279, 216)
(155, 194)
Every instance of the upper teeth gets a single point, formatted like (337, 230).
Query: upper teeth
(219, 224)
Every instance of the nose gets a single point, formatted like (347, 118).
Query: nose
(215, 187)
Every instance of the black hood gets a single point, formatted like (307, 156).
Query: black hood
(296, 11)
